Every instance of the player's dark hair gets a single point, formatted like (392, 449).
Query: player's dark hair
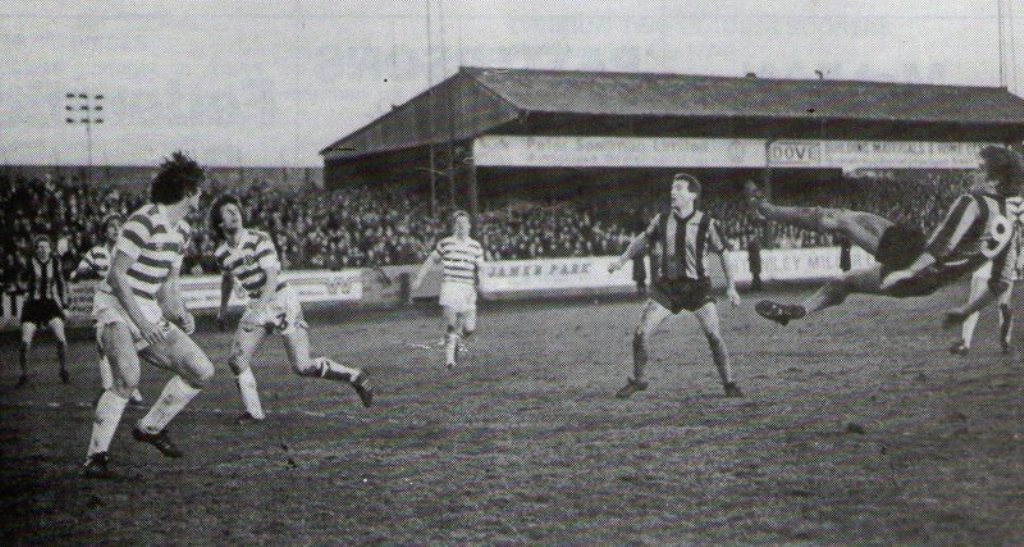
(691, 182)
(178, 178)
(1006, 167)
(217, 216)
(458, 214)
(41, 238)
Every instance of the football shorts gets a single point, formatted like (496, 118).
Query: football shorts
(283, 316)
(41, 312)
(899, 247)
(107, 309)
(458, 297)
(682, 294)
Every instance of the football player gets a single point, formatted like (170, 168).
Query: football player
(45, 299)
(96, 265)
(681, 240)
(140, 315)
(249, 261)
(462, 259)
(974, 231)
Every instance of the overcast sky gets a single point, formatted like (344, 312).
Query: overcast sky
(271, 83)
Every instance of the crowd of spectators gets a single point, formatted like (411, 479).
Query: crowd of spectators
(359, 227)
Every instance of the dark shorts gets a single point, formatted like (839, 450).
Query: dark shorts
(41, 312)
(682, 294)
(899, 247)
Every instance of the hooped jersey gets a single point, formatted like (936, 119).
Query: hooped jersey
(157, 248)
(249, 260)
(97, 261)
(462, 259)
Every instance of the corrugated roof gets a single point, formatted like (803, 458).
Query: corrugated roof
(647, 94)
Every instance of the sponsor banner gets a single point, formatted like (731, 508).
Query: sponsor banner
(203, 292)
(592, 272)
(533, 151)
(874, 154)
(797, 264)
(554, 273)
(563, 151)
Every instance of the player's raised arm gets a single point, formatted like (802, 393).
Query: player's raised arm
(637, 247)
(85, 267)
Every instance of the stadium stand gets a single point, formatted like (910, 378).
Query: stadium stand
(358, 227)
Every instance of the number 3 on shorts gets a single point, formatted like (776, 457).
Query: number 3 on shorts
(282, 322)
(1000, 232)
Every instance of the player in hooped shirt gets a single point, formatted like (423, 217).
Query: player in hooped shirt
(462, 259)
(140, 314)
(249, 262)
(96, 265)
(974, 232)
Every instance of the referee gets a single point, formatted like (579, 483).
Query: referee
(42, 279)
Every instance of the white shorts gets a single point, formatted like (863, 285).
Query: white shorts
(283, 316)
(458, 297)
(107, 309)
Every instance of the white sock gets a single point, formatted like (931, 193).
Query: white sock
(250, 394)
(136, 396)
(106, 375)
(967, 329)
(108, 416)
(336, 371)
(449, 348)
(177, 393)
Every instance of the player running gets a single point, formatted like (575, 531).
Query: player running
(974, 231)
(979, 283)
(96, 265)
(45, 300)
(680, 241)
(463, 260)
(248, 260)
(139, 314)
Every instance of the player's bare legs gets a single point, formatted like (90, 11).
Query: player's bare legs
(107, 376)
(651, 317)
(296, 344)
(180, 354)
(707, 316)
(243, 348)
(28, 333)
(1005, 319)
(119, 348)
(834, 292)
(57, 328)
(862, 229)
(978, 286)
(467, 322)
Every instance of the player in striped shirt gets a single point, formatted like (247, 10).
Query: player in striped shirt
(680, 241)
(979, 283)
(45, 299)
(249, 262)
(974, 231)
(94, 266)
(140, 314)
(462, 259)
